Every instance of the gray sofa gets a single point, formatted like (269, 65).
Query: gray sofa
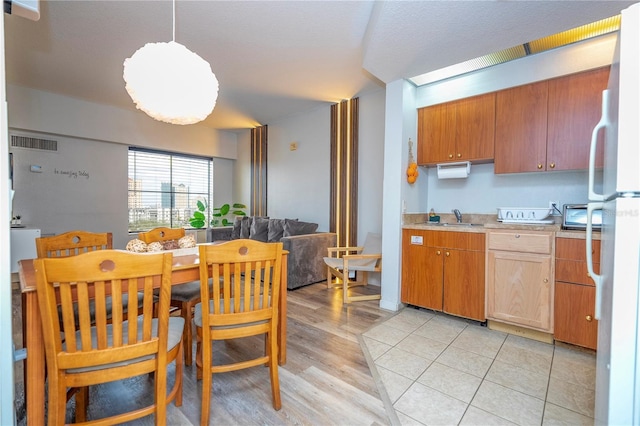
(304, 262)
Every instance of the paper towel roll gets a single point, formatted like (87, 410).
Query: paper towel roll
(454, 170)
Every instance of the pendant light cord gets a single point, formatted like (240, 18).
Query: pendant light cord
(174, 20)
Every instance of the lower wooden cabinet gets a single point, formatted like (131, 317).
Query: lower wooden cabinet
(444, 271)
(519, 279)
(575, 293)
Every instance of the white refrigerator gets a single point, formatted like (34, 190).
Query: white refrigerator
(618, 285)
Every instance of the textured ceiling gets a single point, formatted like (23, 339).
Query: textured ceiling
(275, 58)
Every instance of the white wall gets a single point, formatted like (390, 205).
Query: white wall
(95, 138)
(298, 181)
(370, 163)
(38, 111)
(7, 408)
(483, 191)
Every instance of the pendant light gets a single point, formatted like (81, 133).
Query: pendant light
(171, 83)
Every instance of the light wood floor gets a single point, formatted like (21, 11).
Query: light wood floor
(326, 380)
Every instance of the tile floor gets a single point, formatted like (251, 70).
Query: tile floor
(441, 370)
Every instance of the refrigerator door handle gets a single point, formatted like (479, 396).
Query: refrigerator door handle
(602, 124)
(597, 279)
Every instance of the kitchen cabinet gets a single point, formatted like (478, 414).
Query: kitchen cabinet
(575, 293)
(444, 271)
(461, 130)
(520, 278)
(547, 125)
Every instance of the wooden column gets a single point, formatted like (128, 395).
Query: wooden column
(259, 171)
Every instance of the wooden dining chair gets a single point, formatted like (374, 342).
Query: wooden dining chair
(244, 304)
(73, 243)
(183, 296)
(86, 351)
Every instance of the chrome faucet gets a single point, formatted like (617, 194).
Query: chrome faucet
(458, 215)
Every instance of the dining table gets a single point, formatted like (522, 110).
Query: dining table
(186, 268)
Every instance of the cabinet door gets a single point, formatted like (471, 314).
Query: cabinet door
(573, 317)
(436, 134)
(475, 128)
(521, 129)
(464, 283)
(575, 107)
(421, 272)
(519, 289)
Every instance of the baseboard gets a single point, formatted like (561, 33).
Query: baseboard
(520, 331)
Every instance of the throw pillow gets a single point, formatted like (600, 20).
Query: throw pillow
(260, 229)
(295, 227)
(237, 225)
(245, 227)
(276, 230)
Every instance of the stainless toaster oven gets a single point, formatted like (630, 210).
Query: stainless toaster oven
(574, 216)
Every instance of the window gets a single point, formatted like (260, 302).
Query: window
(164, 188)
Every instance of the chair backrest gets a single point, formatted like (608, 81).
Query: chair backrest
(73, 243)
(372, 244)
(249, 275)
(161, 234)
(85, 288)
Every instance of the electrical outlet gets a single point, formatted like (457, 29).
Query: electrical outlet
(557, 206)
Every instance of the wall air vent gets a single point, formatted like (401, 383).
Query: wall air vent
(33, 143)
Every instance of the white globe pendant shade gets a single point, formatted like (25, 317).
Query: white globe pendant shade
(171, 83)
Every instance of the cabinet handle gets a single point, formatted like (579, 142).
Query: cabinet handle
(539, 166)
(459, 155)
(589, 318)
(438, 252)
(546, 280)
(450, 155)
(447, 254)
(552, 165)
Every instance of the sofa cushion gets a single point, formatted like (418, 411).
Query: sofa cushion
(260, 229)
(276, 230)
(245, 226)
(237, 225)
(296, 227)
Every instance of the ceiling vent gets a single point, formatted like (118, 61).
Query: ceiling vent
(33, 143)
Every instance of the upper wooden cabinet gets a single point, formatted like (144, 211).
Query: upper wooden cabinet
(461, 130)
(575, 107)
(547, 126)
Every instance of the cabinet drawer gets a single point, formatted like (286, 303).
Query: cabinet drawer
(572, 271)
(525, 242)
(575, 249)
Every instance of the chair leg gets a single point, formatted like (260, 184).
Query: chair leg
(57, 408)
(198, 353)
(345, 287)
(328, 278)
(186, 310)
(178, 379)
(207, 379)
(82, 403)
(273, 370)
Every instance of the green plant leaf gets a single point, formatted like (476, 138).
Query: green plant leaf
(239, 206)
(239, 213)
(216, 214)
(225, 222)
(197, 223)
(198, 215)
(201, 206)
(224, 209)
